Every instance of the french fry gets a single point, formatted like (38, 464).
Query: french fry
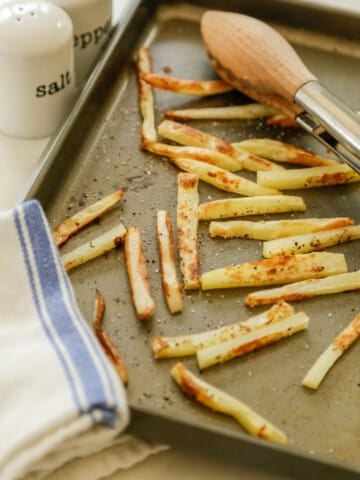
(308, 177)
(222, 352)
(238, 112)
(184, 86)
(282, 121)
(282, 152)
(187, 229)
(185, 135)
(238, 207)
(297, 291)
(334, 351)
(146, 97)
(275, 271)
(219, 401)
(196, 153)
(222, 179)
(138, 275)
(180, 346)
(85, 216)
(310, 242)
(171, 286)
(95, 248)
(275, 229)
(109, 348)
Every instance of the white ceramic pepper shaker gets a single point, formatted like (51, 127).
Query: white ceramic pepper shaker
(92, 20)
(37, 83)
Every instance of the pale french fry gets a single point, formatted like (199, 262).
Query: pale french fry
(222, 179)
(187, 229)
(310, 242)
(219, 401)
(297, 291)
(196, 153)
(186, 87)
(237, 112)
(275, 271)
(109, 348)
(222, 352)
(94, 248)
(85, 216)
(308, 177)
(334, 351)
(185, 135)
(275, 229)
(282, 121)
(146, 97)
(282, 152)
(138, 275)
(180, 346)
(171, 286)
(239, 207)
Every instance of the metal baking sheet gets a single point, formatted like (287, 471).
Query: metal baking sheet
(97, 150)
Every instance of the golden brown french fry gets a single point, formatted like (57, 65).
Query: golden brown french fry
(184, 86)
(327, 359)
(171, 286)
(85, 216)
(282, 152)
(308, 177)
(238, 207)
(307, 289)
(275, 271)
(138, 275)
(310, 242)
(282, 121)
(222, 352)
(179, 346)
(185, 135)
(236, 112)
(146, 98)
(95, 248)
(222, 179)
(274, 229)
(219, 401)
(109, 348)
(187, 229)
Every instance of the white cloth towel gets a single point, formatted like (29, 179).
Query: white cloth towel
(60, 399)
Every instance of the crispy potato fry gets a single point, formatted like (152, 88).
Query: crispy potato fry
(85, 216)
(185, 135)
(146, 98)
(308, 177)
(307, 289)
(282, 152)
(196, 153)
(186, 87)
(338, 346)
(219, 401)
(275, 271)
(171, 286)
(222, 179)
(282, 121)
(180, 346)
(222, 352)
(94, 248)
(237, 207)
(238, 112)
(187, 229)
(275, 229)
(138, 275)
(109, 348)
(310, 242)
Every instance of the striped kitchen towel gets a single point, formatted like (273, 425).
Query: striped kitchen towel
(59, 396)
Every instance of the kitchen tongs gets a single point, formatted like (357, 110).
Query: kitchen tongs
(255, 59)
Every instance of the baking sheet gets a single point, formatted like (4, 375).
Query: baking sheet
(100, 152)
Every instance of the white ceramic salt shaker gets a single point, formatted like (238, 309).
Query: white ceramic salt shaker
(92, 20)
(37, 82)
